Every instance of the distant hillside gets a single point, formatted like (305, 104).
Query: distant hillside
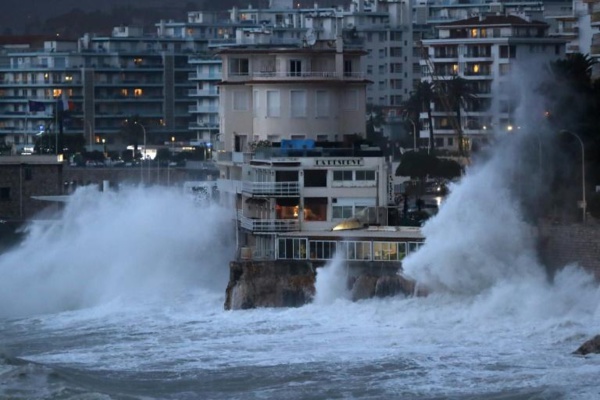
(71, 18)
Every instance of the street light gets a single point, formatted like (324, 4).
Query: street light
(414, 134)
(144, 152)
(583, 204)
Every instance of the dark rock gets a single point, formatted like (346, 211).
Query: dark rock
(364, 287)
(255, 284)
(388, 286)
(591, 346)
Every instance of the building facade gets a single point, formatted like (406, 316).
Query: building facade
(288, 154)
(482, 50)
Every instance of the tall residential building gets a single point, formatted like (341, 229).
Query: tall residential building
(483, 50)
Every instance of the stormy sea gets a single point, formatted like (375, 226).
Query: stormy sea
(121, 297)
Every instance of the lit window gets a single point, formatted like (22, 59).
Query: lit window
(474, 32)
(455, 68)
(476, 68)
(124, 92)
(56, 92)
(138, 92)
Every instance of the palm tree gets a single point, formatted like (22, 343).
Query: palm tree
(459, 93)
(424, 94)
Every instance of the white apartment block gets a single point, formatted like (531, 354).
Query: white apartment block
(483, 50)
(581, 27)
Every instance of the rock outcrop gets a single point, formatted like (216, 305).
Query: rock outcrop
(269, 284)
(591, 346)
(291, 283)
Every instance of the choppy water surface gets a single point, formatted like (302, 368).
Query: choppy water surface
(122, 298)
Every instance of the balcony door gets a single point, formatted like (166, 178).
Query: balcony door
(295, 68)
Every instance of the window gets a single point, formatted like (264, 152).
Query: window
(388, 251)
(315, 209)
(240, 100)
(356, 250)
(291, 249)
(347, 67)
(322, 250)
(322, 107)
(138, 92)
(365, 175)
(342, 175)
(315, 178)
(342, 212)
(295, 68)
(273, 103)
(28, 173)
(239, 66)
(298, 103)
(414, 246)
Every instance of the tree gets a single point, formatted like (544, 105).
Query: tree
(420, 165)
(459, 93)
(424, 95)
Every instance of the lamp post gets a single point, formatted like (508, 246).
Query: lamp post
(143, 153)
(583, 203)
(414, 134)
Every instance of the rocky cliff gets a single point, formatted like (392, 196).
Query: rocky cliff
(292, 283)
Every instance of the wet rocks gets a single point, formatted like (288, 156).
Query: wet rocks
(291, 283)
(591, 346)
(268, 284)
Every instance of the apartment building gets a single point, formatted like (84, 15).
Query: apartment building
(102, 81)
(482, 50)
(289, 160)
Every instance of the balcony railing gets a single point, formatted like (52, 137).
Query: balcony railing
(279, 189)
(269, 225)
(322, 75)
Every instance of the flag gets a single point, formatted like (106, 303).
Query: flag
(36, 106)
(64, 104)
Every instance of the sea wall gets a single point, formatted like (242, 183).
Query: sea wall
(291, 283)
(562, 244)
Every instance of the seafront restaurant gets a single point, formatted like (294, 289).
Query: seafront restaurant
(388, 244)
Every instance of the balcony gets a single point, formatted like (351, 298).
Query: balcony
(272, 189)
(203, 93)
(269, 225)
(203, 109)
(297, 76)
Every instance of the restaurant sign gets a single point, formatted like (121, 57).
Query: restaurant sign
(339, 162)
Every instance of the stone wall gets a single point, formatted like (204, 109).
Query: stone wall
(19, 182)
(562, 244)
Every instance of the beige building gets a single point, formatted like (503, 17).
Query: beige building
(291, 117)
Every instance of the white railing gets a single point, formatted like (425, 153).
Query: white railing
(269, 225)
(298, 75)
(281, 189)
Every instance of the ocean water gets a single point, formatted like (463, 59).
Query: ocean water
(122, 298)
